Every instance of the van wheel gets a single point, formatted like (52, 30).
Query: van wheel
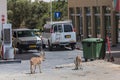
(86, 59)
(49, 46)
(43, 46)
(19, 49)
(39, 49)
(72, 47)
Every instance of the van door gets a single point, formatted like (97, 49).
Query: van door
(58, 30)
(69, 34)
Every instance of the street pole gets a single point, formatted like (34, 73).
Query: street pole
(51, 10)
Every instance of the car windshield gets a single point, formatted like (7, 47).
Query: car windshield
(27, 33)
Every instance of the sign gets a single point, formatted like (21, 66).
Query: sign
(57, 14)
(116, 5)
(3, 19)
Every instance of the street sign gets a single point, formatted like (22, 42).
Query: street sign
(3, 19)
(57, 14)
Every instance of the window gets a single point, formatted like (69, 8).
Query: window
(97, 10)
(107, 9)
(60, 28)
(97, 24)
(25, 33)
(67, 28)
(87, 10)
(55, 28)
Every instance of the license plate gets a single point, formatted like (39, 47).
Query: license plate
(67, 36)
(32, 46)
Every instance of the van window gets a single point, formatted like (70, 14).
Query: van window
(67, 28)
(58, 28)
(55, 28)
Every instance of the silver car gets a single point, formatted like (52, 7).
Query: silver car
(25, 39)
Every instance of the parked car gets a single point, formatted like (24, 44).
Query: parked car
(25, 39)
(37, 32)
(59, 33)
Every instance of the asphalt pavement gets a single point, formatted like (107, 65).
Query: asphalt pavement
(63, 59)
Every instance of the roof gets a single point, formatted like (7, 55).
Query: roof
(48, 25)
(56, 22)
(21, 29)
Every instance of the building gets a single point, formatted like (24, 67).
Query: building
(3, 13)
(3, 10)
(94, 18)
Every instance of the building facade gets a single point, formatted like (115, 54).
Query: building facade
(94, 18)
(3, 10)
(3, 13)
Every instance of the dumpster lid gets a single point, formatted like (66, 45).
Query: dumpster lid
(92, 40)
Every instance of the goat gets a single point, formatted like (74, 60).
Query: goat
(34, 61)
(78, 62)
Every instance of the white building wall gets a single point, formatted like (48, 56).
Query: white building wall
(3, 11)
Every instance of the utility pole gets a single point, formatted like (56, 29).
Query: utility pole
(51, 10)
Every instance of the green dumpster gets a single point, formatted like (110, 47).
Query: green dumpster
(93, 48)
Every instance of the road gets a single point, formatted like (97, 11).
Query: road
(53, 58)
(62, 58)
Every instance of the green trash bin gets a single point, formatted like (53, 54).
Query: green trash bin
(93, 48)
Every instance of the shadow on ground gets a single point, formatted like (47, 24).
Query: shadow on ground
(29, 54)
(116, 57)
(26, 55)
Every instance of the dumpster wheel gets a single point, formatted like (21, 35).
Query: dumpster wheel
(86, 59)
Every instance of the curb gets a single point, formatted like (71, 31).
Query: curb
(10, 61)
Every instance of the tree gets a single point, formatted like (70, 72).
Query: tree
(23, 13)
(60, 6)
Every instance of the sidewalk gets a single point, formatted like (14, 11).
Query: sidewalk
(114, 50)
(116, 53)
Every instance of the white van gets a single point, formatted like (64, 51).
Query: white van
(59, 33)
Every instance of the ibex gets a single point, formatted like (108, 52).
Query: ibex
(78, 62)
(34, 61)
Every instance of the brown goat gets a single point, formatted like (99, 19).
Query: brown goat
(78, 62)
(34, 61)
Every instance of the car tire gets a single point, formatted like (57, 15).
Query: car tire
(50, 46)
(43, 46)
(39, 49)
(72, 47)
(19, 49)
